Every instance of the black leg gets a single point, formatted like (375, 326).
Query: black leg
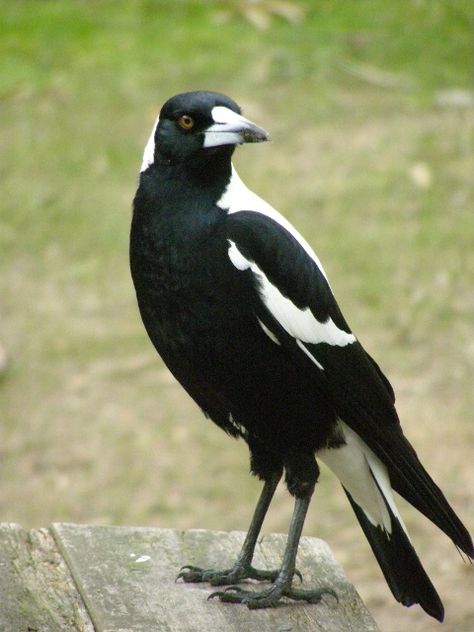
(242, 568)
(282, 584)
(248, 548)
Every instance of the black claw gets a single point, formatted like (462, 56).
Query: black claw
(330, 591)
(218, 593)
(190, 574)
(189, 567)
(229, 594)
(180, 576)
(299, 575)
(236, 589)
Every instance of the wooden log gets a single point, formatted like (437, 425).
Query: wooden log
(37, 593)
(126, 577)
(75, 578)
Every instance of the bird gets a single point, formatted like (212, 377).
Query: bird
(241, 311)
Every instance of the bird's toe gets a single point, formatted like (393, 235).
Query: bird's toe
(270, 598)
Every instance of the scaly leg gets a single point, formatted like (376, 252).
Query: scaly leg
(242, 568)
(282, 584)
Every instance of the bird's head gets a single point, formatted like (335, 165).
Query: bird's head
(196, 123)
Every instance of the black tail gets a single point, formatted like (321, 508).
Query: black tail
(400, 564)
(410, 479)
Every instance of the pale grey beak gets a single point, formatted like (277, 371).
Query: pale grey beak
(230, 128)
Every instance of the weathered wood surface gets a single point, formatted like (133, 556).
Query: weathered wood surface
(125, 579)
(37, 592)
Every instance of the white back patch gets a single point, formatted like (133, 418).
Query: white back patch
(238, 197)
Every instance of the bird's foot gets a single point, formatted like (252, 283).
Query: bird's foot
(240, 572)
(270, 598)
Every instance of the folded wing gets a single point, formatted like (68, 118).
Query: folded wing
(296, 306)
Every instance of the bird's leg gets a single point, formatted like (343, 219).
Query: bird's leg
(282, 584)
(242, 568)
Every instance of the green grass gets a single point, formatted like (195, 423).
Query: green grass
(365, 160)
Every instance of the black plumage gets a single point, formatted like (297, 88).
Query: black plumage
(240, 309)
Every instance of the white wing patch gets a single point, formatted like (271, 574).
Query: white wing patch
(299, 323)
(237, 258)
(269, 333)
(149, 153)
(237, 197)
(356, 466)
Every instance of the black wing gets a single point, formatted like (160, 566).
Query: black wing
(296, 302)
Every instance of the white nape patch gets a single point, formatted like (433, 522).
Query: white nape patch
(309, 354)
(238, 197)
(356, 466)
(299, 323)
(269, 333)
(149, 153)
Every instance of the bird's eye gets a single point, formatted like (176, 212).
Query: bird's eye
(186, 122)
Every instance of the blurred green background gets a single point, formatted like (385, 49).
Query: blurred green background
(370, 106)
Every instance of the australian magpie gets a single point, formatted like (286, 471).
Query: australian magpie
(240, 309)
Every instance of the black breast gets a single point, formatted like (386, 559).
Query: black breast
(201, 314)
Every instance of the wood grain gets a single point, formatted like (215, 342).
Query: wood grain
(126, 577)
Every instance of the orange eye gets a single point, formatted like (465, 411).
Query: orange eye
(186, 122)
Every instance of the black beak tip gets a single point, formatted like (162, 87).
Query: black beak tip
(257, 135)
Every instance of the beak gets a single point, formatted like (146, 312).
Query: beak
(230, 128)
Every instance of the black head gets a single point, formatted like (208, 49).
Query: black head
(196, 123)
